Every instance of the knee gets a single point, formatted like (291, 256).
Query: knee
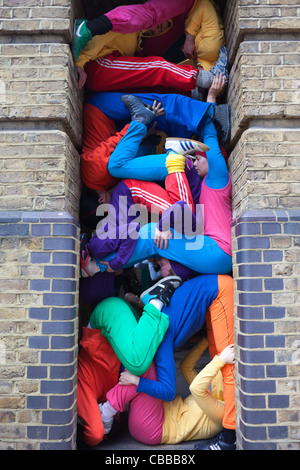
(113, 168)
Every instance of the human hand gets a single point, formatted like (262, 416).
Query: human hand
(127, 378)
(189, 48)
(109, 269)
(216, 88)
(82, 76)
(227, 355)
(158, 110)
(162, 238)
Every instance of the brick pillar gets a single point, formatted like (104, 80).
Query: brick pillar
(40, 135)
(262, 36)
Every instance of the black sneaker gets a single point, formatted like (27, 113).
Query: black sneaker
(162, 290)
(139, 111)
(222, 122)
(215, 443)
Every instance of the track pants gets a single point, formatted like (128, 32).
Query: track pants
(220, 332)
(117, 72)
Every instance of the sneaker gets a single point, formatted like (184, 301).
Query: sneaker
(221, 66)
(184, 146)
(139, 111)
(162, 290)
(215, 443)
(81, 37)
(107, 423)
(222, 122)
(84, 256)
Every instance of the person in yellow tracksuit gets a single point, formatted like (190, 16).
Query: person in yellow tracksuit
(204, 34)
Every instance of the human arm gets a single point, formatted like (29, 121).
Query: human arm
(189, 46)
(216, 88)
(218, 175)
(180, 218)
(188, 364)
(199, 388)
(164, 387)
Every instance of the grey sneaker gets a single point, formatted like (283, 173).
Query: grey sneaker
(138, 110)
(221, 66)
(222, 122)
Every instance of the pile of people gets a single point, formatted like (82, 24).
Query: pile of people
(157, 194)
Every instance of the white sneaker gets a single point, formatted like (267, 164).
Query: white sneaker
(184, 146)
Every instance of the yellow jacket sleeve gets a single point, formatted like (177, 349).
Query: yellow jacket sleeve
(188, 364)
(199, 388)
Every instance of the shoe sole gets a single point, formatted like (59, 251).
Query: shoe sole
(204, 147)
(175, 278)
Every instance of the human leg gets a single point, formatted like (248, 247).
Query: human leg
(134, 342)
(221, 314)
(146, 414)
(124, 164)
(100, 138)
(116, 72)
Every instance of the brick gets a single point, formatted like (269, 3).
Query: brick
(255, 299)
(63, 313)
(40, 230)
(53, 327)
(56, 386)
(273, 284)
(66, 258)
(251, 372)
(247, 229)
(59, 299)
(278, 432)
(274, 312)
(255, 270)
(258, 417)
(252, 402)
(57, 357)
(62, 342)
(250, 313)
(250, 342)
(40, 285)
(272, 255)
(37, 432)
(248, 243)
(59, 271)
(271, 229)
(256, 327)
(39, 313)
(250, 256)
(254, 433)
(57, 417)
(37, 402)
(17, 230)
(257, 357)
(39, 342)
(61, 402)
(40, 258)
(59, 244)
(291, 228)
(65, 229)
(64, 286)
(276, 371)
(279, 401)
(275, 341)
(253, 285)
(62, 372)
(37, 372)
(61, 432)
